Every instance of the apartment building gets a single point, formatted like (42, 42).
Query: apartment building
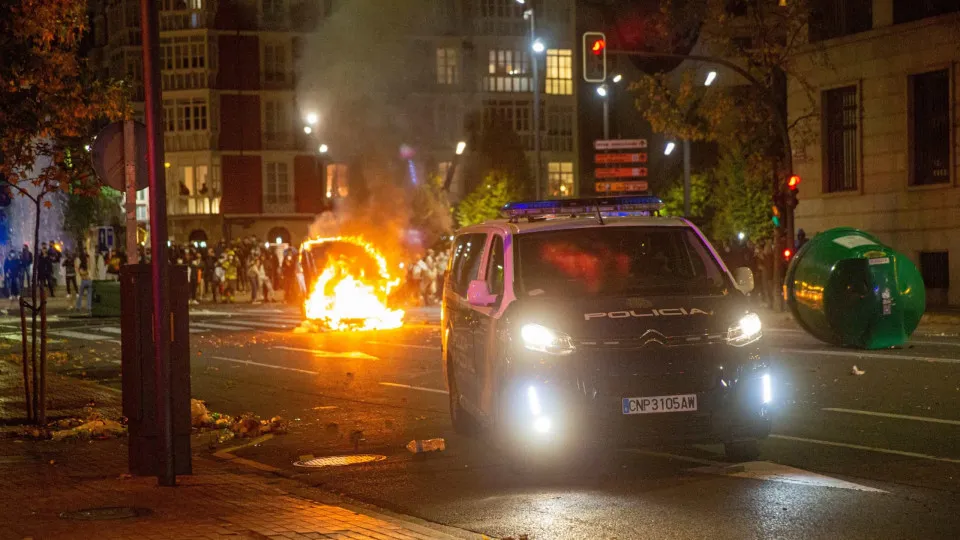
(237, 160)
(885, 155)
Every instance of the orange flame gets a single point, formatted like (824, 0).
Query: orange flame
(345, 298)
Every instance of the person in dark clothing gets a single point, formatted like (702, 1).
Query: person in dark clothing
(70, 274)
(209, 271)
(12, 274)
(45, 269)
(26, 261)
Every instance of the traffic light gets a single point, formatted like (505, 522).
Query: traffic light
(594, 57)
(787, 253)
(793, 189)
(777, 209)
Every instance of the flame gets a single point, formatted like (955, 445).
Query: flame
(344, 298)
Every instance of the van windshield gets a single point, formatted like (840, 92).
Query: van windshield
(617, 261)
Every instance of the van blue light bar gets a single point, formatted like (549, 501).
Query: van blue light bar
(605, 205)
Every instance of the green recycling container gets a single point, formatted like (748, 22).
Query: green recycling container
(846, 288)
(106, 298)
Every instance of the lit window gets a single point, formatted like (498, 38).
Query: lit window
(337, 181)
(560, 178)
(508, 71)
(559, 77)
(448, 67)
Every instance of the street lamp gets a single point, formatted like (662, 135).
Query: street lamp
(324, 149)
(461, 146)
(617, 78)
(307, 129)
(538, 48)
(710, 78)
(602, 90)
(669, 149)
(312, 118)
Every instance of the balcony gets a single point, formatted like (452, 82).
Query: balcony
(188, 141)
(280, 141)
(500, 26)
(193, 19)
(285, 207)
(193, 205)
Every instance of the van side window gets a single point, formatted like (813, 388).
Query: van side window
(495, 266)
(466, 261)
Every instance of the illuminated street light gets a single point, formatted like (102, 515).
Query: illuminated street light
(324, 148)
(669, 149)
(312, 118)
(538, 46)
(602, 90)
(461, 146)
(741, 235)
(617, 78)
(710, 78)
(307, 129)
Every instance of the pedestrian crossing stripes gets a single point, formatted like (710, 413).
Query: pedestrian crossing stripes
(198, 325)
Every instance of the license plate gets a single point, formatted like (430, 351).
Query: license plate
(660, 404)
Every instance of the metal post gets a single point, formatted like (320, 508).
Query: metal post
(130, 177)
(150, 35)
(536, 103)
(686, 178)
(606, 118)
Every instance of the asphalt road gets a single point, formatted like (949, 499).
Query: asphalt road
(875, 455)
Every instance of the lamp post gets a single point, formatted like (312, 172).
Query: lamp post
(538, 47)
(461, 146)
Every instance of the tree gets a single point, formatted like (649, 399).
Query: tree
(487, 199)
(701, 203)
(430, 210)
(741, 201)
(49, 104)
(83, 212)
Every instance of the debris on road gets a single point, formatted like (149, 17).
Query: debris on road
(855, 371)
(428, 445)
(92, 426)
(246, 425)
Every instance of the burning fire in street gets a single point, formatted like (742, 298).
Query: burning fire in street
(352, 286)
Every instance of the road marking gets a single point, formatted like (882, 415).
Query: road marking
(408, 387)
(262, 325)
(938, 343)
(109, 330)
(80, 335)
(16, 337)
(775, 472)
(271, 366)
(425, 347)
(866, 448)
(356, 355)
(689, 459)
(218, 326)
(853, 354)
(899, 416)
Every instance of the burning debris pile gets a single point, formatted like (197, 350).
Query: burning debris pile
(350, 285)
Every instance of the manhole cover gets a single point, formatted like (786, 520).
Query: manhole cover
(106, 513)
(339, 461)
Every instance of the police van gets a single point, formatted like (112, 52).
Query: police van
(597, 320)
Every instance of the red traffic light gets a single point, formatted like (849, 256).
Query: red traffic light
(598, 46)
(787, 253)
(793, 183)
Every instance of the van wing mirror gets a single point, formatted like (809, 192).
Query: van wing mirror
(478, 294)
(743, 277)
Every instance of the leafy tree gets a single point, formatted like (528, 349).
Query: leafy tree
(487, 199)
(49, 105)
(83, 212)
(741, 200)
(701, 205)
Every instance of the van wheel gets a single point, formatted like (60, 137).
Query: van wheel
(740, 451)
(463, 423)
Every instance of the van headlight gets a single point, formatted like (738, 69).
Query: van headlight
(746, 331)
(542, 339)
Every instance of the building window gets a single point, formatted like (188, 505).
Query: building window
(559, 128)
(274, 11)
(185, 114)
(338, 184)
(184, 62)
(510, 114)
(930, 123)
(274, 62)
(835, 18)
(448, 66)
(841, 138)
(559, 72)
(500, 9)
(276, 120)
(913, 10)
(560, 178)
(508, 71)
(277, 187)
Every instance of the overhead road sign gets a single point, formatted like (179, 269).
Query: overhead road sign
(615, 187)
(606, 159)
(621, 172)
(620, 144)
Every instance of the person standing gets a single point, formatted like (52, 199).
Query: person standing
(196, 278)
(264, 278)
(253, 279)
(70, 274)
(86, 286)
(26, 267)
(45, 269)
(12, 274)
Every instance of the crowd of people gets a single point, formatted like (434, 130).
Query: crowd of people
(758, 257)
(427, 274)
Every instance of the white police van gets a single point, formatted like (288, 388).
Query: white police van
(597, 320)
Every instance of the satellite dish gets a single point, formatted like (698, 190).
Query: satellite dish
(107, 155)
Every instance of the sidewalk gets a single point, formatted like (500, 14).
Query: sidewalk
(42, 480)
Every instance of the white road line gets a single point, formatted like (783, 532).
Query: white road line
(863, 354)
(898, 416)
(865, 448)
(261, 325)
(271, 366)
(80, 335)
(354, 355)
(940, 343)
(408, 387)
(218, 326)
(405, 345)
(109, 330)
